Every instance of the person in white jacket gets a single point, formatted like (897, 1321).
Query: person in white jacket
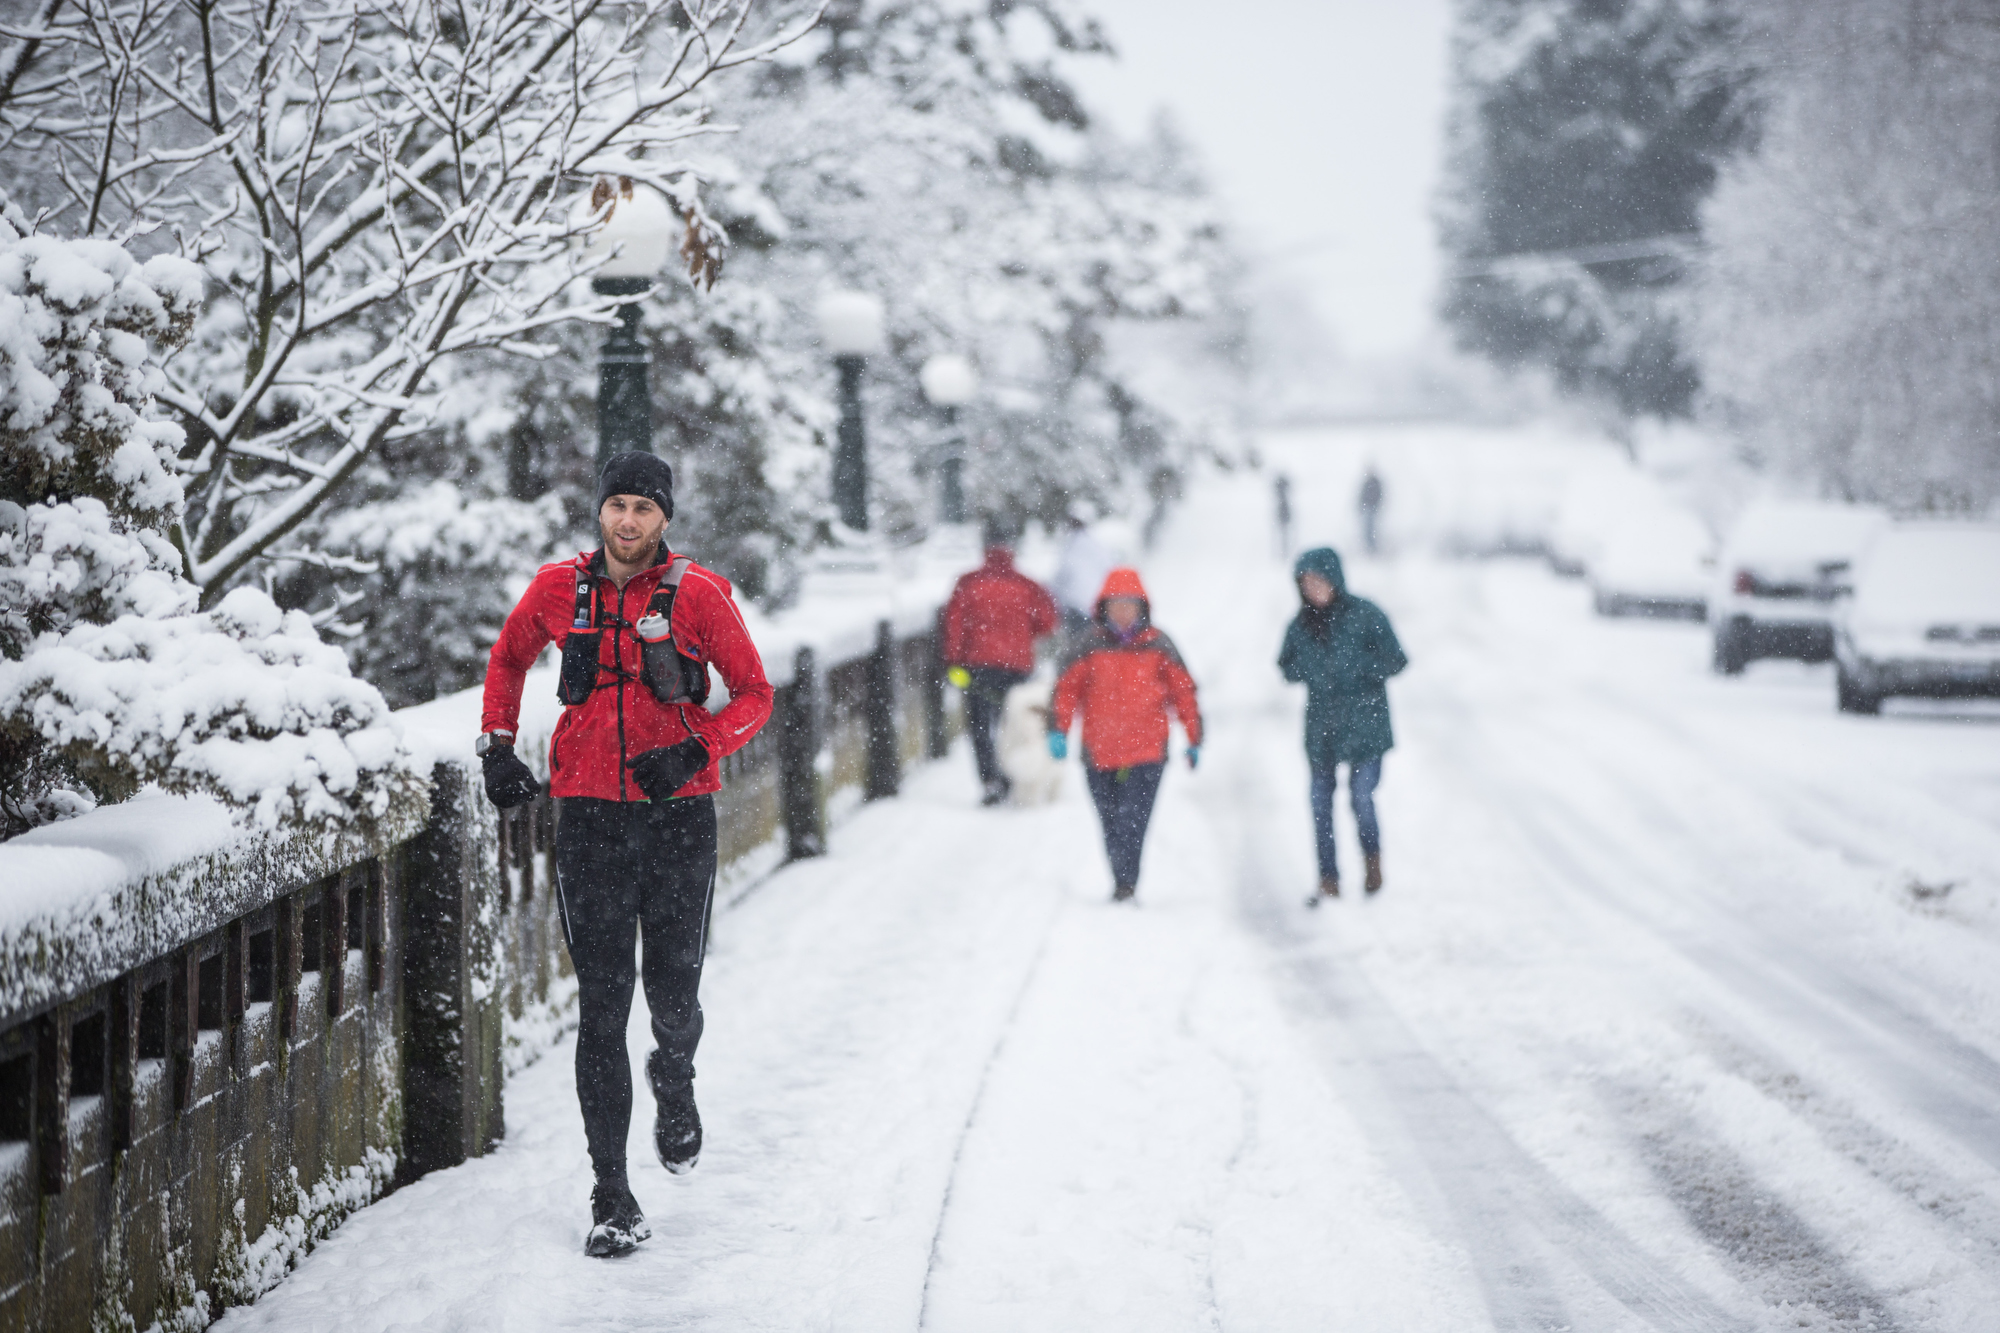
(1081, 572)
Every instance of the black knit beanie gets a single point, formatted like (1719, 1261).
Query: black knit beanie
(636, 473)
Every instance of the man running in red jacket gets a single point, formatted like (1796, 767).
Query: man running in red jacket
(634, 764)
(990, 626)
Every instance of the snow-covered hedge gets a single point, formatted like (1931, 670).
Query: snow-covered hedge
(244, 702)
(111, 678)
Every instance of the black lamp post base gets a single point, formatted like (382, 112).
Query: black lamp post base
(850, 455)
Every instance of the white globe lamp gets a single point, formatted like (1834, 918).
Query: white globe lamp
(949, 380)
(632, 240)
(638, 229)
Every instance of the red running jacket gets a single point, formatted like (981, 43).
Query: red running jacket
(1125, 688)
(622, 719)
(995, 615)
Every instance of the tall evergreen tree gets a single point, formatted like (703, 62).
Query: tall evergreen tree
(1585, 136)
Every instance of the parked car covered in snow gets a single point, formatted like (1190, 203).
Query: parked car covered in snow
(1924, 618)
(1654, 562)
(1594, 505)
(1783, 571)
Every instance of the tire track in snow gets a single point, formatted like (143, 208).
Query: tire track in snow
(1514, 1218)
(993, 1055)
(1895, 1042)
(1896, 1164)
(1898, 1047)
(1246, 1091)
(1769, 1246)
(1666, 885)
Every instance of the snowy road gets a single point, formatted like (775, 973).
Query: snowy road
(1680, 1011)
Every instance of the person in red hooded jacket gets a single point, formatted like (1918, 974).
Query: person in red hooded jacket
(634, 764)
(1125, 681)
(990, 626)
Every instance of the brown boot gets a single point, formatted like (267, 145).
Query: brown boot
(1329, 887)
(1373, 884)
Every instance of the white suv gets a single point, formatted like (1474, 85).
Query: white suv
(1924, 618)
(1782, 574)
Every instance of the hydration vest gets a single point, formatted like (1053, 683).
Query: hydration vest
(671, 675)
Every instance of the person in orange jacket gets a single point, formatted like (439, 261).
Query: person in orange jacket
(1124, 680)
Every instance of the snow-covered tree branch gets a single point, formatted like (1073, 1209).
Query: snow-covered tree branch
(370, 186)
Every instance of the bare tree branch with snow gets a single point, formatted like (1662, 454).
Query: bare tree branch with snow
(370, 186)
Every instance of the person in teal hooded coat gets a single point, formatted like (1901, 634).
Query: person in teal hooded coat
(1342, 648)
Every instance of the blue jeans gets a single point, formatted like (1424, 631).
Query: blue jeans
(1361, 782)
(1124, 798)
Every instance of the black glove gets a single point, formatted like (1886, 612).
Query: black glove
(509, 782)
(662, 772)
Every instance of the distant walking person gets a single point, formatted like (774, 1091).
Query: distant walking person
(1370, 505)
(1342, 649)
(1125, 682)
(990, 626)
(1283, 486)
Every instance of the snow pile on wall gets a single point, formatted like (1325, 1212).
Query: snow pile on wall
(244, 702)
(111, 678)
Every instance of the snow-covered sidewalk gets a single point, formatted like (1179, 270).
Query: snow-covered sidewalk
(1649, 1031)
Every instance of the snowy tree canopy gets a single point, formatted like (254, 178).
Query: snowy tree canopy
(1849, 311)
(930, 154)
(370, 188)
(396, 341)
(935, 156)
(1584, 138)
(111, 676)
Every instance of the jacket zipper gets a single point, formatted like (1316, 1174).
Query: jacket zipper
(618, 661)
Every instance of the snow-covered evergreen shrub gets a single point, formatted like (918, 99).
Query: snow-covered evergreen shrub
(111, 678)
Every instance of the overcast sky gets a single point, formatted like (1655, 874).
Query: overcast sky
(1320, 124)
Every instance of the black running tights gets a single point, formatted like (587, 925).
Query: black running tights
(628, 871)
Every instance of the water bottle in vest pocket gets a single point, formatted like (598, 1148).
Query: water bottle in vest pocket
(579, 653)
(672, 675)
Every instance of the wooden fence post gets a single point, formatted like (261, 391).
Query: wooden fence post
(51, 1104)
(937, 731)
(333, 946)
(885, 747)
(183, 1011)
(798, 758)
(287, 960)
(124, 1021)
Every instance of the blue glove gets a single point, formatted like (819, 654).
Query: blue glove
(1058, 746)
(1194, 755)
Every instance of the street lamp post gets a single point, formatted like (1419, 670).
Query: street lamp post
(950, 382)
(851, 325)
(636, 235)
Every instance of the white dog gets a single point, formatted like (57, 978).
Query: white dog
(1024, 746)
